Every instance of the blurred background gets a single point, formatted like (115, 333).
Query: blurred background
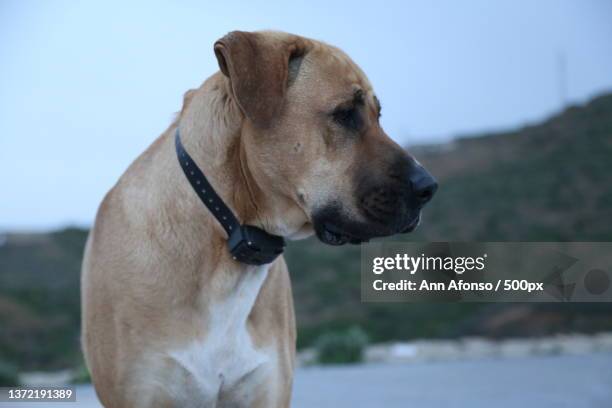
(508, 103)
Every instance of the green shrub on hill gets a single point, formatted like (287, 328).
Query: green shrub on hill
(341, 347)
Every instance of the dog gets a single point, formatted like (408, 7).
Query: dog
(288, 134)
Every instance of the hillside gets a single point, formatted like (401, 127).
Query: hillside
(39, 298)
(551, 181)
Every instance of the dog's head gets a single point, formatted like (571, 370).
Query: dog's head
(312, 124)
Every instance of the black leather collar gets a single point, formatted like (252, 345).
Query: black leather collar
(247, 244)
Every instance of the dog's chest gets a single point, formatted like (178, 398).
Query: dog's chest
(227, 356)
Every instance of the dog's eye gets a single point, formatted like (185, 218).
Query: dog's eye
(348, 118)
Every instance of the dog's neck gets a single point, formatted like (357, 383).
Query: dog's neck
(211, 127)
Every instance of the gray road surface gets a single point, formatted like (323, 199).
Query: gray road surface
(561, 381)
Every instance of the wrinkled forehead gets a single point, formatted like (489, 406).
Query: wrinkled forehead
(328, 71)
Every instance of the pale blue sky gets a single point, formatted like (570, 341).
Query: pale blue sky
(86, 86)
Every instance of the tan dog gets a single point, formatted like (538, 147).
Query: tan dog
(288, 135)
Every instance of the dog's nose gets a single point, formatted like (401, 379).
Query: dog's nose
(423, 184)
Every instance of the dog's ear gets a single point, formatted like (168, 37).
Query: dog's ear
(257, 66)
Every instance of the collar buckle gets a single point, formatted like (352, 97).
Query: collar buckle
(254, 246)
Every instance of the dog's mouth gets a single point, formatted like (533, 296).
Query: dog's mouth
(412, 225)
(335, 232)
(332, 235)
